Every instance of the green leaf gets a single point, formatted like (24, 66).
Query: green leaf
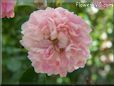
(29, 76)
(13, 64)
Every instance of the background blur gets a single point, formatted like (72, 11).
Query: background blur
(16, 67)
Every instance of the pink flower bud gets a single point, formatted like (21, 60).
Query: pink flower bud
(7, 8)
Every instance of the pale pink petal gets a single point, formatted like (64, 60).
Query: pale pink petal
(63, 40)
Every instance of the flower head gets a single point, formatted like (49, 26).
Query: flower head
(7, 8)
(57, 41)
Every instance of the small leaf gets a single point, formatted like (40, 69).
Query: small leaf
(13, 64)
(29, 76)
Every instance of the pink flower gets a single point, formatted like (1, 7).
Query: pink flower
(7, 8)
(57, 40)
(102, 4)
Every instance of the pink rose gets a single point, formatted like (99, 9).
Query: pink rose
(102, 4)
(7, 8)
(57, 41)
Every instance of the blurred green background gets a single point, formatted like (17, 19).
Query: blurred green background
(16, 67)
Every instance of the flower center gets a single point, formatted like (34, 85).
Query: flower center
(55, 42)
(55, 45)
